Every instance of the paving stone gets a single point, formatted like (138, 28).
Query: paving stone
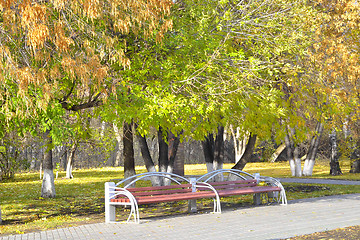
(263, 222)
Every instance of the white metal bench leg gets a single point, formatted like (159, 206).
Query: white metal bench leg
(217, 206)
(109, 209)
(192, 207)
(257, 199)
(109, 213)
(134, 212)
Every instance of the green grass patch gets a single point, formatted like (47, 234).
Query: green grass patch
(81, 200)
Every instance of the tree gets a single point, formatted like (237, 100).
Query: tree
(249, 149)
(333, 66)
(312, 151)
(334, 157)
(48, 185)
(59, 56)
(70, 160)
(129, 161)
(213, 148)
(10, 148)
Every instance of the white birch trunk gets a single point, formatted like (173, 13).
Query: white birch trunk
(293, 153)
(69, 171)
(298, 171)
(119, 140)
(219, 177)
(170, 169)
(48, 186)
(308, 167)
(33, 159)
(217, 166)
(239, 145)
(70, 162)
(209, 167)
(292, 167)
(40, 171)
(311, 155)
(155, 180)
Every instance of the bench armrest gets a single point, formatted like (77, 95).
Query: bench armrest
(217, 205)
(274, 182)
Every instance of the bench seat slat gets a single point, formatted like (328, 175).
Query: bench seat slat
(248, 190)
(147, 199)
(249, 181)
(168, 198)
(232, 186)
(172, 191)
(175, 197)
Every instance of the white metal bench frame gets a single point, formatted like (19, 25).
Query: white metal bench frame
(231, 173)
(113, 190)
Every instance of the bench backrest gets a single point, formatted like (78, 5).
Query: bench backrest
(231, 184)
(160, 190)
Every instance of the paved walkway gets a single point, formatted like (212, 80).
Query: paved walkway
(319, 181)
(299, 217)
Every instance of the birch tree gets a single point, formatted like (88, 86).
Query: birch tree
(333, 68)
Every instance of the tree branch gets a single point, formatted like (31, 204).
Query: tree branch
(95, 102)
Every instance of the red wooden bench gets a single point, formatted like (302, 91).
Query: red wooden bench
(242, 187)
(183, 189)
(134, 196)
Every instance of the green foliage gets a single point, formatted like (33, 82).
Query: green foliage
(10, 160)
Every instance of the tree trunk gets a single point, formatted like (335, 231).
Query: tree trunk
(129, 160)
(313, 149)
(208, 149)
(246, 157)
(219, 149)
(214, 151)
(293, 153)
(355, 167)
(173, 147)
(149, 163)
(33, 159)
(41, 169)
(70, 161)
(119, 144)
(355, 157)
(48, 185)
(334, 158)
(163, 152)
(239, 145)
(277, 153)
(64, 157)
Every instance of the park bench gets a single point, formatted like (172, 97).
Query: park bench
(236, 183)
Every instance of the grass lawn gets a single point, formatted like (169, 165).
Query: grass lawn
(81, 200)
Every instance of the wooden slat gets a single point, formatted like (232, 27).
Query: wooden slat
(172, 191)
(142, 189)
(234, 182)
(147, 195)
(175, 197)
(231, 186)
(248, 190)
